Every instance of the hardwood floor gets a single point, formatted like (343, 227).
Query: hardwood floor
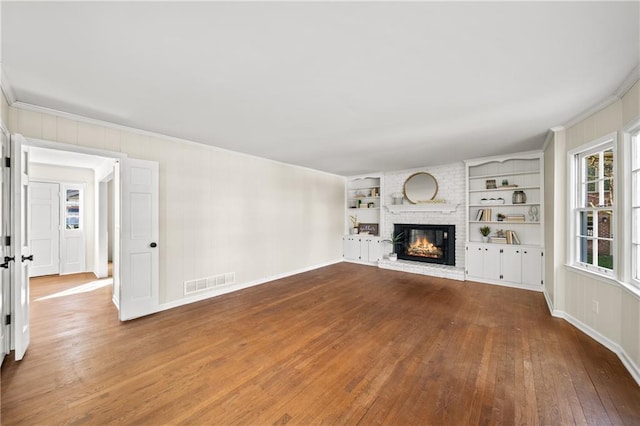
(344, 344)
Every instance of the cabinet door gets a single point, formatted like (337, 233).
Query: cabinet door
(351, 248)
(364, 248)
(532, 266)
(491, 262)
(474, 260)
(374, 250)
(512, 264)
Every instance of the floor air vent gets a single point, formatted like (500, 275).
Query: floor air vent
(202, 284)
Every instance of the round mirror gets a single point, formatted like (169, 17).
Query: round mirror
(420, 188)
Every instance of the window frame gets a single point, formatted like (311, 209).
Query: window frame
(631, 139)
(576, 190)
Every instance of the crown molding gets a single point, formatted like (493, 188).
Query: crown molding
(628, 82)
(590, 111)
(107, 124)
(6, 88)
(632, 78)
(550, 136)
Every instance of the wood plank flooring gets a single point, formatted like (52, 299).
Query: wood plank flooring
(345, 344)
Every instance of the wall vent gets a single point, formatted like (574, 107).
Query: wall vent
(202, 284)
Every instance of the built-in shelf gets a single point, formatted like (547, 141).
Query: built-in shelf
(503, 204)
(516, 188)
(364, 208)
(504, 221)
(427, 207)
(493, 175)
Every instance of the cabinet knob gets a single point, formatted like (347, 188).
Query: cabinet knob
(525, 252)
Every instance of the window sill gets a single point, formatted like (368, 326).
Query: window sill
(609, 279)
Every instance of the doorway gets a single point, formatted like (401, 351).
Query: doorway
(69, 207)
(136, 229)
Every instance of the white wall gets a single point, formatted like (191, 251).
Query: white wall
(74, 175)
(618, 321)
(451, 188)
(220, 211)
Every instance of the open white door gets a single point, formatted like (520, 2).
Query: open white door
(5, 214)
(139, 230)
(20, 245)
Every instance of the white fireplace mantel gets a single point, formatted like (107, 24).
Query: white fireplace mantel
(426, 207)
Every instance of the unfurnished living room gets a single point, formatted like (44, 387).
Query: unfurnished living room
(329, 212)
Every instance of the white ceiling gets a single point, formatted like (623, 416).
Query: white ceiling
(346, 88)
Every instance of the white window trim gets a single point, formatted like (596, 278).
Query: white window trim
(573, 194)
(628, 132)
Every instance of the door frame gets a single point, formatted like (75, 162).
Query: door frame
(117, 157)
(142, 171)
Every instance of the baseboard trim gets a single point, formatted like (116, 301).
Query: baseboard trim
(537, 288)
(236, 287)
(116, 302)
(628, 363)
(549, 302)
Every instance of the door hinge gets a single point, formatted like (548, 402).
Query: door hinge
(541, 281)
(541, 254)
(7, 162)
(7, 319)
(501, 277)
(7, 240)
(501, 251)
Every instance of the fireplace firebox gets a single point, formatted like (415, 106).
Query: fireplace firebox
(426, 243)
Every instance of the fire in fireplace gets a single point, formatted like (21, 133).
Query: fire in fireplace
(421, 246)
(426, 243)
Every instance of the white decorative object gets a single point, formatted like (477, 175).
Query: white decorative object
(492, 201)
(397, 198)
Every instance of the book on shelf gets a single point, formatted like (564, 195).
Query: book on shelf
(511, 237)
(515, 237)
(514, 218)
(505, 237)
(483, 215)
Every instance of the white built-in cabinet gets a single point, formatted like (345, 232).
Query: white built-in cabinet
(362, 248)
(505, 264)
(363, 195)
(491, 183)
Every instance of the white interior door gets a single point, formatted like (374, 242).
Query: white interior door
(5, 305)
(20, 246)
(139, 230)
(73, 239)
(44, 228)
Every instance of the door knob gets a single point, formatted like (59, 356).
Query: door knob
(30, 257)
(153, 245)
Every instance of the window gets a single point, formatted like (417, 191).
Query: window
(72, 208)
(635, 207)
(593, 209)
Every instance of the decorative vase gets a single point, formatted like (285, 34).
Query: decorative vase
(393, 257)
(485, 239)
(354, 231)
(519, 197)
